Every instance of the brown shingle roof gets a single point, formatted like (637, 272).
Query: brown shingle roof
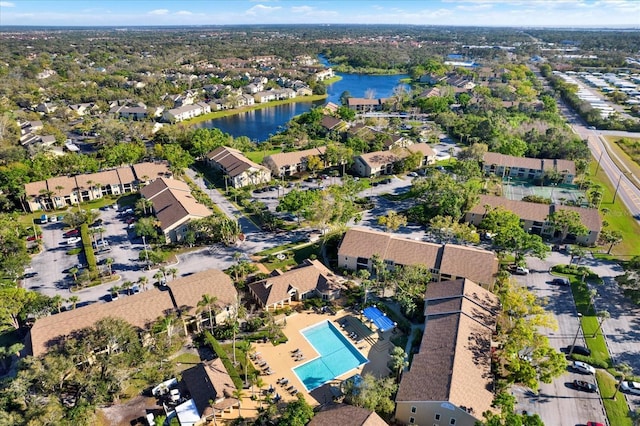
(209, 381)
(536, 211)
(138, 310)
(151, 171)
(380, 158)
(107, 177)
(345, 415)
(423, 148)
(173, 202)
(330, 123)
(232, 160)
(461, 261)
(307, 277)
(469, 262)
(454, 360)
(562, 166)
(295, 157)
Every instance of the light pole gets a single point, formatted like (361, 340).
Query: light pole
(576, 336)
(146, 253)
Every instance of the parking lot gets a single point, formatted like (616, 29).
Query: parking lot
(559, 403)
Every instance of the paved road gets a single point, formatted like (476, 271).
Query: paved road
(558, 403)
(627, 192)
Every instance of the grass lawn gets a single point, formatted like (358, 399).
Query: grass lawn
(295, 256)
(628, 149)
(618, 216)
(258, 156)
(617, 409)
(28, 218)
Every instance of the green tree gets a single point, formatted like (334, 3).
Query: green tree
(372, 393)
(610, 237)
(398, 361)
(298, 202)
(567, 222)
(209, 303)
(146, 227)
(296, 413)
(392, 221)
(314, 164)
(12, 302)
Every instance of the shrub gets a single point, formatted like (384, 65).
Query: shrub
(224, 357)
(88, 249)
(74, 252)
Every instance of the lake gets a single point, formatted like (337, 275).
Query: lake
(259, 124)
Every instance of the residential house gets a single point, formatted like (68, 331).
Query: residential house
(62, 191)
(359, 247)
(46, 107)
(211, 390)
(365, 104)
(140, 310)
(330, 123)
(377, 163)
(246, 100)
(137, 112)
(186, 112)
(428, 154)
(345, 414)
(238, 170)
(304, 91)
(310, 279)
(534, 217)
(81, 109)
(527, 168)
(174, 206)
(264, 96)
(291, 163)
(431, 79)
(383, 162)
(450, 381)
(324, 74)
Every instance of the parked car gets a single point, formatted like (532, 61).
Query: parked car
(135, 289)
(412, 174)
(581, 385)
(631, 387)
(53, 219)
(595, 424)
(580, 350)
(74, 240)
(583, 367)
(561, 281)
(71, 233)
(521, 270)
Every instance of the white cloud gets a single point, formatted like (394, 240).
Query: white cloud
(159, 12)
(7, 4)
(184, 12)
(475, 7)
(262, 9)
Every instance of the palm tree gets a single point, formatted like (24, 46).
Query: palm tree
(208, 302)
(238, 393)
(57, 301)
(260, 384)
(108, 262)
(624, 369)
(245, 347)
(126, 286)
(74, 300)
(158, 276)
(602, 316)
(173, 272)
(166, 324)
(143, 281)
(74, 271)
(398, 361)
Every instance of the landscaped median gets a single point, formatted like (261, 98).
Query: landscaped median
(616, 408)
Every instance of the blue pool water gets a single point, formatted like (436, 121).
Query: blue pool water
(337, 356)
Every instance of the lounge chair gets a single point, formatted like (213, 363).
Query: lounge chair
(284, 382)
(300, 359)
(268, 372)
(295, 351)
(290, 388)
(293, 391)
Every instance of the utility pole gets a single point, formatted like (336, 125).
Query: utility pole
(617, 187)
(573, 345)
(598, 166)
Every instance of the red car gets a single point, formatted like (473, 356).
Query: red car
(33, 238)
(72, 233)
(595, 424)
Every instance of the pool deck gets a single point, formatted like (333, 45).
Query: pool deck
(375, 348)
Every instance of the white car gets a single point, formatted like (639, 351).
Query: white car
(583, 367)
(631, 387)
(521, 270)
(74, 240)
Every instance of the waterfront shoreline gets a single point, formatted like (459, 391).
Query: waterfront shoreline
(229, 112)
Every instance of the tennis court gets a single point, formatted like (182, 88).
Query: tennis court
(380, 320)
(560, 194)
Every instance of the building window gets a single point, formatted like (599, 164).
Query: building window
(412, 420)
(437, 416)
(413, 410)
(452, 422)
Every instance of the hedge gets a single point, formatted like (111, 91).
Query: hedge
(88, 248)
(224, 357)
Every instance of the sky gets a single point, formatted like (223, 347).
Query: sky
(553, 13)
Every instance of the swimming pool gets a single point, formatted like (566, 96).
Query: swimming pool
(337, 356)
